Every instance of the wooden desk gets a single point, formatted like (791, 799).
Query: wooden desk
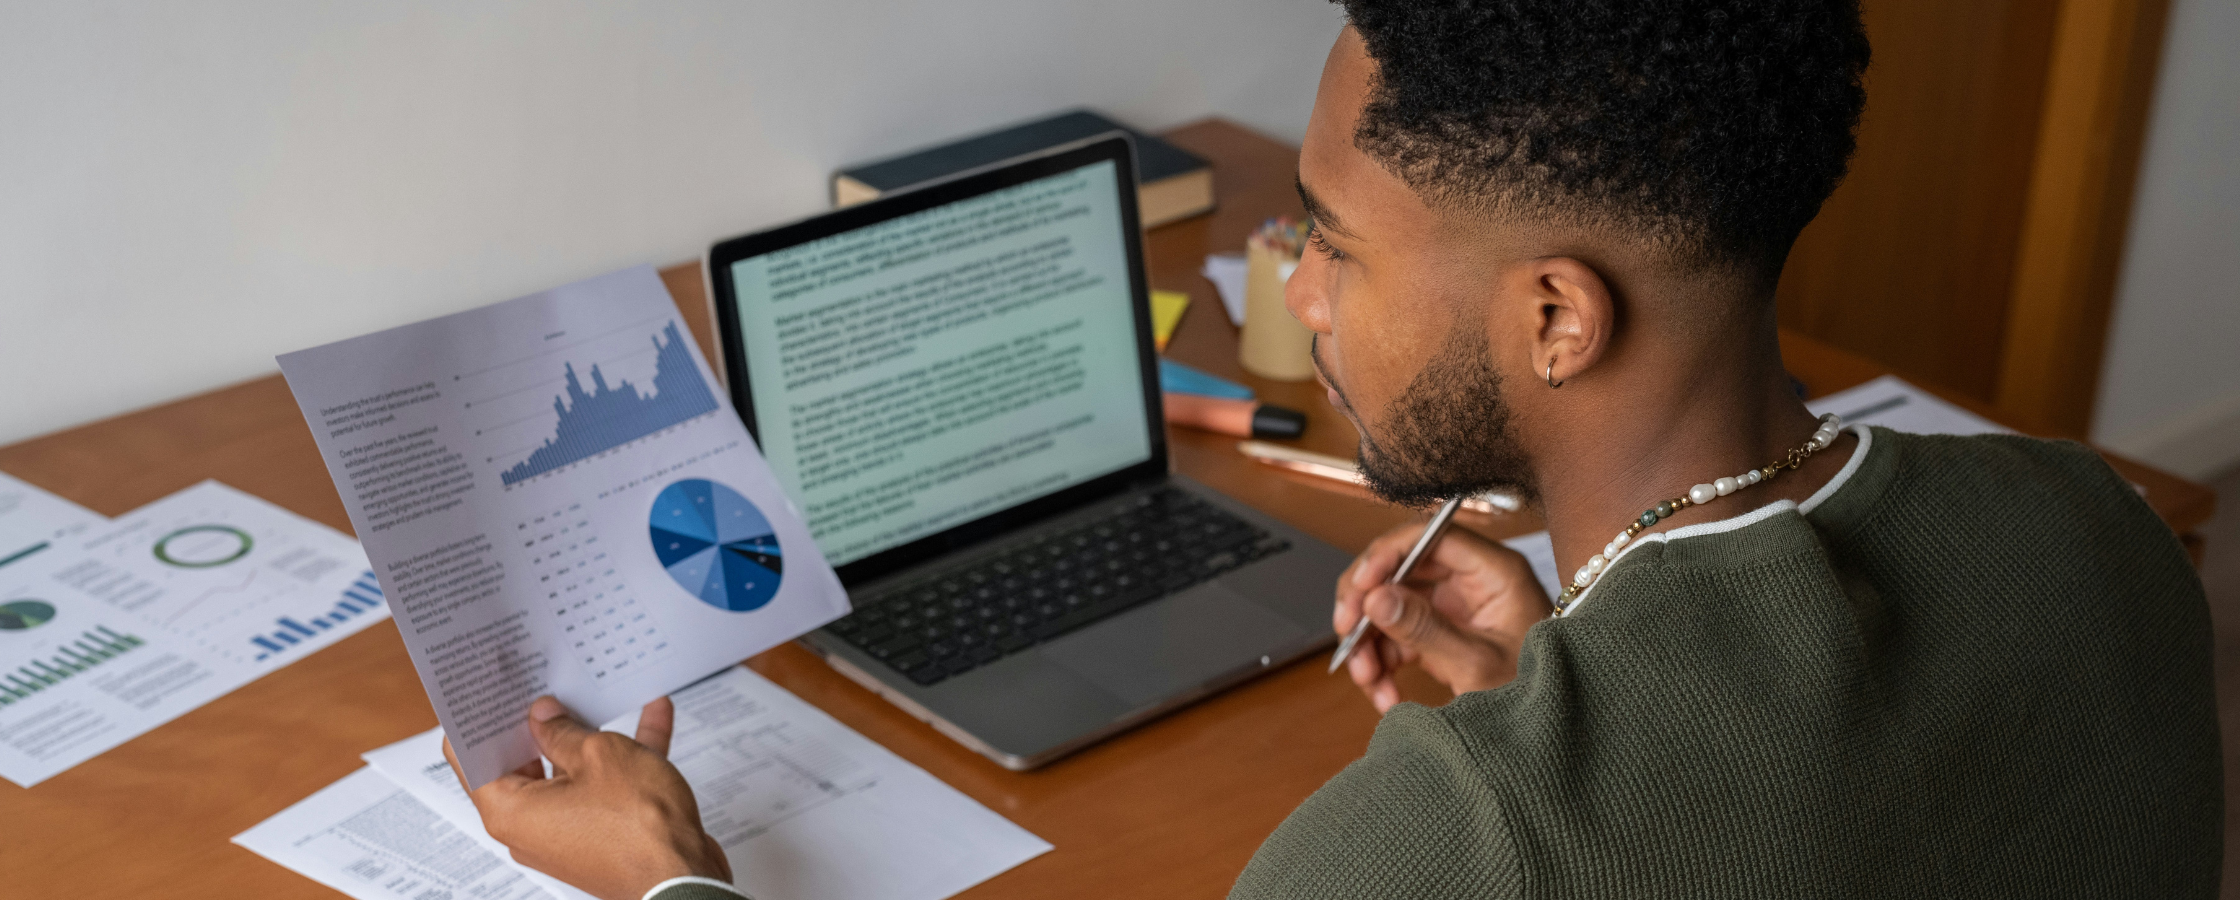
(1172, 809)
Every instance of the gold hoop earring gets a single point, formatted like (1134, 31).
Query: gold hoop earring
(1552, 382)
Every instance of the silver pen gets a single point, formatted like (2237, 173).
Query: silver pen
(1431, 533)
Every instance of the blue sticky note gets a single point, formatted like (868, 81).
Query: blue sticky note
(1182, 379)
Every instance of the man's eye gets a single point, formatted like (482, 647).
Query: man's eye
(1314, 239)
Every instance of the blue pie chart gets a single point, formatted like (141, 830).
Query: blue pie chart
(717, 545)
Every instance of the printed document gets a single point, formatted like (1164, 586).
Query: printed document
(1892, 403)
(416, 765)
(1540, 553)
(1227, 272)
(559, 501)
(161, 611)
(370, 839)
(806, 808)
(33, 521)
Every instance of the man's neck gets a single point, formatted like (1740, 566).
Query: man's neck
(1703, 419)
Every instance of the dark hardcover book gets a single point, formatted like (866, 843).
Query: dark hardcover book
(1171, 183)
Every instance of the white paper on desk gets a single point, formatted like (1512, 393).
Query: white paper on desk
(1892, 403)
(33, 521)
(407, 764)
(1541, 553)
(1226, 271)
(248, 584)
(806, 808)
(168, 607)
(368, 838)
(559, 502)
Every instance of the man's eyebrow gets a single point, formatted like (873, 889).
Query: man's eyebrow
(1324, 220)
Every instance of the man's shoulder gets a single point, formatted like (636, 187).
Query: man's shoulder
(1415, 817)
(2008, 514)
(1966, 654)
(1999, 523)
(1989, 624)
(2015, 468)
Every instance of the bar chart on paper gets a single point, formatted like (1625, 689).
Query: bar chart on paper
(54, 652)
(238, 578)
(581, 423)
(361, 597)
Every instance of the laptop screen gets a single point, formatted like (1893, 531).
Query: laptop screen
(928, 370)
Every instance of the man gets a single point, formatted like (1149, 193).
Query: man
(1793, 661)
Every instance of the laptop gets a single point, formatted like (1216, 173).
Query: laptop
(957, 385)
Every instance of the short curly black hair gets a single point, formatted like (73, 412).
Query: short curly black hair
(1712, 129)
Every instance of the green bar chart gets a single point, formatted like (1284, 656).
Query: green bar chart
(88, 650)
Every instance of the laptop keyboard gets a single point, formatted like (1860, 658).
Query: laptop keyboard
(949, 622)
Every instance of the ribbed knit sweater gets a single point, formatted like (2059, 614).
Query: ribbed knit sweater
(1979, 668)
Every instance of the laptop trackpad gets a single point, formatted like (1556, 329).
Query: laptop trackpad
(1149, 654)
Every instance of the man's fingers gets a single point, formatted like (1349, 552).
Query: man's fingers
(559, 736)
(1463, 550)
(532, 770)
(1364, 666)
(1346, 612)
(494, 798)
(456, 770)
(1385, 696)
(1373, 567)
(1408, 619)
(1376, 564)
(529, 771)
(1493, 585)
(656, 723)
(1369, 673)
(1391, 655)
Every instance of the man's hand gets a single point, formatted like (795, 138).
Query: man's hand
(614, 819)
(1462, 613)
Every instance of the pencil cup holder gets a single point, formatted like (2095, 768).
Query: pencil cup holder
(1274, 345)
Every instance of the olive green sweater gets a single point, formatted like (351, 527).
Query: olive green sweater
(1980, 667)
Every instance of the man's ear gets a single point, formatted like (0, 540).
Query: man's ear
(1574, 317)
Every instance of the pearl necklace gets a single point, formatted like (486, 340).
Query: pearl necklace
(1830, 426)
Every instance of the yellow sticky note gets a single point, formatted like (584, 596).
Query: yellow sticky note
(1167, 308)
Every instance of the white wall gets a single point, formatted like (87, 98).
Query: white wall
(188, 189)
(2170, 385)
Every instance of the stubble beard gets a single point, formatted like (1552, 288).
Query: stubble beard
(1448, 433)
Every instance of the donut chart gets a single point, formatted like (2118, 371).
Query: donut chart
(203, 546)
(716, 545)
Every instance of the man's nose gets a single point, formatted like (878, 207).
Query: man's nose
(1303, 293)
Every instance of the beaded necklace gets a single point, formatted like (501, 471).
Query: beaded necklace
(1830, 427)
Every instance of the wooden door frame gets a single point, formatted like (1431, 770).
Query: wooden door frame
(2099, 90)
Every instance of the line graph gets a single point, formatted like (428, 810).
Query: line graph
(607, 416)
(248, 579)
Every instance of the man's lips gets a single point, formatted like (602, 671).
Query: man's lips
(1326, 387)
(1314, 354)
(1337, 400)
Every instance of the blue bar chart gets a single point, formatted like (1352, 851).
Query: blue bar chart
(603, 418)
(89, 649)
(362, 596)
